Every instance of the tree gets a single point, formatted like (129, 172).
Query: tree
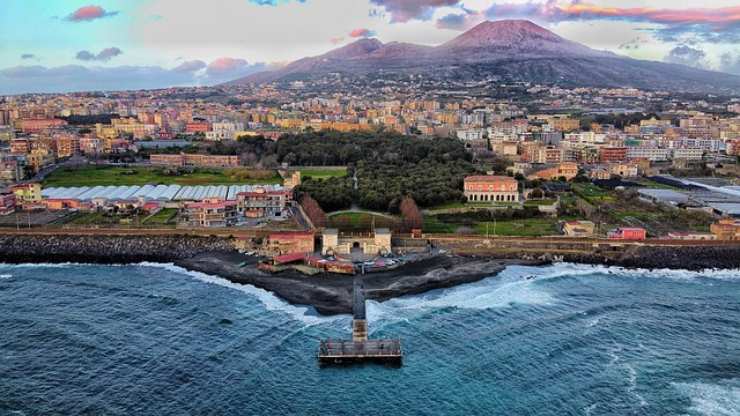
(410, 213)
(313, 211)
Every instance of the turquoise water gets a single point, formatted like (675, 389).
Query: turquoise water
(577, 340)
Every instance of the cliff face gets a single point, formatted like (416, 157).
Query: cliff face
(106, 249)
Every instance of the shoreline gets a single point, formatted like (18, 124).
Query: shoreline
(330, 294)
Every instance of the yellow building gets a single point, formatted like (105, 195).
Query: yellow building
(29, 193)
(565, 124)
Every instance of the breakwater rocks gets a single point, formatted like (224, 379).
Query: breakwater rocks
(106, 249)
(680, 257)
(694, 258)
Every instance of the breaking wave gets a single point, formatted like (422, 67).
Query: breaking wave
(712, 399)
(305, 314)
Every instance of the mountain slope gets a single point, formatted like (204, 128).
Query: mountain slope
(514, 50)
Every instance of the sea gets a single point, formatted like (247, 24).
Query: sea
(564, 339)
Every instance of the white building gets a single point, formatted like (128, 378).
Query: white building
(688, 154)
(224, 130)
(471, 134)
(653, 154)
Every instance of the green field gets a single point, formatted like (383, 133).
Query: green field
(323, 173)
(531, 227)
(92, 218)
(107, 175)
(592, 193)
(164, 217)
(471, 205)
(360, 221)
(538, 202)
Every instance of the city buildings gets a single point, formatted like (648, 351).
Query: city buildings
(195, 160)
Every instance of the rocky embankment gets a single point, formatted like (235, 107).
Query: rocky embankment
(677, 257)
(688, 257)
(106, 249)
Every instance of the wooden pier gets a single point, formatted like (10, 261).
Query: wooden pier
(360, 349)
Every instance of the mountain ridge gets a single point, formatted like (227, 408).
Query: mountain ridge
(516, 50)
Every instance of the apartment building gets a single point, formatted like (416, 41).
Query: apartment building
(264, 202)
(209, 213)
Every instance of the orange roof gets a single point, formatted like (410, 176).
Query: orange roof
(489, 178)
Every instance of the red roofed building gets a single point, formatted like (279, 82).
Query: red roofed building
(36, 125)
(490, 188)
(290, 242)
(198, 127)
(628, 233)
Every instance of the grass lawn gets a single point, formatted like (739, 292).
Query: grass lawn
(163, 217)
(592, 193)
(538, 202)
(531, 227)
(360, 221)
(324, 173)
(114, 175)
(459, 205)
(433, 225)
(650, 184)
(92, 218)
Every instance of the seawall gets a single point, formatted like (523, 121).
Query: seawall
(106, 249)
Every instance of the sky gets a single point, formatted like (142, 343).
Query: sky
(73, 45)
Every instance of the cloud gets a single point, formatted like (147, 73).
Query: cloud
(715, 25)
(402, 11)
(730, 63)
(227, 69)
(225, 65)
(460, 21)
(104, 56)
(190, 66)
(337, 40)
(36, 78)
(273, 2)
(28, 56)
(686, 55)
(89, 13)
(698, 33)
(361, 33)
(633, 44)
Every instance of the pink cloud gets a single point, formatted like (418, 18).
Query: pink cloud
(717, 16)
(225, 65)
(553, 10)
(89, 13)
(361, 33)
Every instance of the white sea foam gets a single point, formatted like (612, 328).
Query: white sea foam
(5, 276)
(712, 399)
(509, 288)
(573, 269)
(5, 266)
(268, 299)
